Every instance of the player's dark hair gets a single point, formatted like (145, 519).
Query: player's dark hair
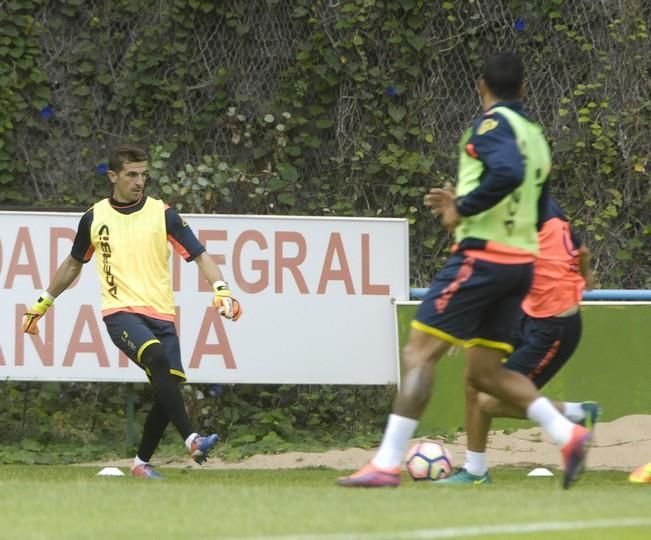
(125, 153)
(504, 75)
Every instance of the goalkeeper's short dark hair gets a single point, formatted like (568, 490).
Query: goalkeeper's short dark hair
(503, 73)
(125, 153)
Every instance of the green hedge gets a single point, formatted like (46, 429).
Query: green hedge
(72, 422)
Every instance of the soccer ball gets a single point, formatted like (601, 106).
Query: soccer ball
(428, 460)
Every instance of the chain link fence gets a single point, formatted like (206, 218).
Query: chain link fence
(588, 83)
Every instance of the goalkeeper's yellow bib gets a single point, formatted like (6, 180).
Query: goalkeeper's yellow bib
(131, 253)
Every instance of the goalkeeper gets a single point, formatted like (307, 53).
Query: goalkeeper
(129, 232)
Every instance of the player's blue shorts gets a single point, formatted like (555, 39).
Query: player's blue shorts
(474, 302)
(544, 346)
(132, 333)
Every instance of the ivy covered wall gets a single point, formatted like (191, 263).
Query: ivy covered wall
(318, 107)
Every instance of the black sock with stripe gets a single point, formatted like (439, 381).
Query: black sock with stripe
(166, 389)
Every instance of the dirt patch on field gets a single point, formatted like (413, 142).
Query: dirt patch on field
(623, 444)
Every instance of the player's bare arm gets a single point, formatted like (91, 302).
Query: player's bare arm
(209, 268)
(63, 278)
(585, 267)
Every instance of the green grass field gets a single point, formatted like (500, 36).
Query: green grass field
(69, 502)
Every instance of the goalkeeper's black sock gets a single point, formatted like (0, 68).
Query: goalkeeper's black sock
(153, 430)
(168, 393)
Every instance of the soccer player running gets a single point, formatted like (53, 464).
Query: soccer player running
(548, 333)
(473, 301)
(130, 231)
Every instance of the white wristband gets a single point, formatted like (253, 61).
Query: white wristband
(47, 296)
(219, 284)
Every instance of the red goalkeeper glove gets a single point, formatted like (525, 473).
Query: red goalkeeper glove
(31, 318)
(224, 302)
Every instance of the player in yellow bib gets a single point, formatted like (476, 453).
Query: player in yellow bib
(129, 234)
(504, 161)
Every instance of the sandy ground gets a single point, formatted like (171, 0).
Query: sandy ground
(623, 444)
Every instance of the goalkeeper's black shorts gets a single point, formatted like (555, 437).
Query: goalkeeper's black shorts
(132, 333)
